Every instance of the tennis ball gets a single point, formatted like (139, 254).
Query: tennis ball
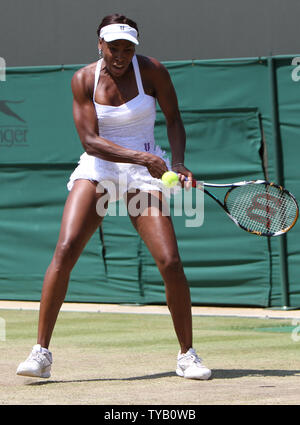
(170, 179)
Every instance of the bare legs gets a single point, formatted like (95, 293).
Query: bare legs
(79, 222)
(158, 234)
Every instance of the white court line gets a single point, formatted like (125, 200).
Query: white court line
(158, 309)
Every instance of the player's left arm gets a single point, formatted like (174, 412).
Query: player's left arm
(167, 99)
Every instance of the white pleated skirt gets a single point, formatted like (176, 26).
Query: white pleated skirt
(117, 178)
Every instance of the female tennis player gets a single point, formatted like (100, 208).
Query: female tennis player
(114, 112)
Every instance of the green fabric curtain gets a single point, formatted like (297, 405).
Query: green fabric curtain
(226, 110)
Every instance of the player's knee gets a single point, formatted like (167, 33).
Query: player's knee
(66, 254)
(170, 264)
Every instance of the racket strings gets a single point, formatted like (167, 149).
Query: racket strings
(262, 208)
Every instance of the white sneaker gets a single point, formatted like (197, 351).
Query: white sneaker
(189, 365)
(38, 363)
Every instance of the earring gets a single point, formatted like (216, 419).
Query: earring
(100, 54)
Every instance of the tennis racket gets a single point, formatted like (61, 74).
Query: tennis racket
(257, 206)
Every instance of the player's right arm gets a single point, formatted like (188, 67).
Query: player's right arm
(86, 123)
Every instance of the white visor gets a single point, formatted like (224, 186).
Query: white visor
(119, 32)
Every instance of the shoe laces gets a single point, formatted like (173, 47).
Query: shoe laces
(37, 356)
(192, 356)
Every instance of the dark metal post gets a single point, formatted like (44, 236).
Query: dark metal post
(279, 178)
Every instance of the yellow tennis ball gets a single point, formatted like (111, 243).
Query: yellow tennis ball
(170, 179)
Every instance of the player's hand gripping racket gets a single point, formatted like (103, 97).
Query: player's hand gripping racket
(257, 206)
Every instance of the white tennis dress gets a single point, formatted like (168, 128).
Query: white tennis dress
(130, 125)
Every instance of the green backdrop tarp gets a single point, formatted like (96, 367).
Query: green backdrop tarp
(226, 109)
(222, 263)
(288, 114)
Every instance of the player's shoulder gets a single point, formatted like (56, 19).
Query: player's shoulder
(83, 78)
(153, 72)
(150, 64)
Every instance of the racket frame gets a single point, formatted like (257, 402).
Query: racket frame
(232, 186)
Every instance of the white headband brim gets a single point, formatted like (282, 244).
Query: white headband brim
(119, 32)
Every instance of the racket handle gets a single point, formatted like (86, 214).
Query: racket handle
(194, 182)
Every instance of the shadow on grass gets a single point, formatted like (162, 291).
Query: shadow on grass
(133, 378)
(216, 374)
(240, 373)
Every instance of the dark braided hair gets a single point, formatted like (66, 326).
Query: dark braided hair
(116, 19)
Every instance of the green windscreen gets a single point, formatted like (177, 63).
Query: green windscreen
(226, 108)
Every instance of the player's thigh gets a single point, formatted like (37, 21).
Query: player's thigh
(80, 218)
(152, 221)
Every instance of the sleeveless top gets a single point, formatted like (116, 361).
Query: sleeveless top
(130, 125)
